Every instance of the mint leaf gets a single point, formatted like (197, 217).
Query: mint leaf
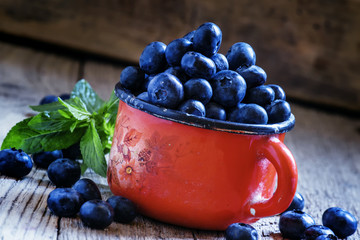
(77, 108)
(47, 107)
(92, 150)
(87, 95)
(52, 121)
(17, 135)
(61, 140)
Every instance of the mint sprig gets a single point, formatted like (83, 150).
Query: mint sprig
(84, 118)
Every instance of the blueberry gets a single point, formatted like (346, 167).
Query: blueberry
(197, 65)
(73, 152)
(65, 96)
(241, 231)
(327, 237)
(147, 80)
(220, 61)
(193, 107)
(15, 163)
(240, 54)
(207, 39)
(64, 202)
(96, 214)
(278, 111)
(152, 59)
(190, 35)
(253, 75)
(261, 95)
(279, 92)
(165, 90)
(248, 113)
(312, 232)
(176, 50)
(198, 89)
(132, 78)
(143, 96)
(177, 72)
(87, 189)
(298, 203)
(48, 99)
(293, 224)
(215, 111)
(340, 221)
(43, 159)
(124, 209)
(229, 88)
(64, 172)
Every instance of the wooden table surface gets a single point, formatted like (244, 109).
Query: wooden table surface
(325, 145)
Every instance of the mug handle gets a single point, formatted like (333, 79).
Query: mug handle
(281, 158)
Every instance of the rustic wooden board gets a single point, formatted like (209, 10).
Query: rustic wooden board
(326, 147)
(311, 48)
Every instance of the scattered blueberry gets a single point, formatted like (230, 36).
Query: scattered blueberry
(64, 202)
(198, 89)
(261, 95)
(73, 152)
(229, 88)
(197, 65)
(165, 90)
(65, 96)
(176, 49)
(207, 39)
(215, 111)
(43, 159)
(96, 214)
(64, 172)
(48, 99)
(294, 223)
(132, 78)
(15, 163)
(253, 75)
(279, 92)
(327, 237)
(248, 113)
(220, 61)
(341, 222)
(298, 203)
(312, 232)
(240, 54)
(278, 111)
(124, 209)
(87, 189)
(241, 231)
(144, 96)
(152, 59)
(193, 107)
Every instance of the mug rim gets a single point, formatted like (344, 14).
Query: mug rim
(202, 122)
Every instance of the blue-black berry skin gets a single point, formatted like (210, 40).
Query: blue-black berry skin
(65, 96)
(177, 72)
(64, 172)
(96, 214)
(298, 203)
(193, 107)
(241, 231)
(87, 189)
(48, 99)
(229, 88)
(132, 78)
(15, 163)
(312, 232)
(176, 49)
(220, 61)
(341, 222)
(248, 113)
(215, 111)
(196, 65)
(327, 237)
(44, 159)
(152, 59)
(279, 92)
(262, 95)
(166, 90)
(190, 35)
(64, 202)
(73, 152)
(198, 89)
(278, 111)
(293, 224)
(253, 75)
(240, 54)
(207, 39)
(143, 96)
(124, 209)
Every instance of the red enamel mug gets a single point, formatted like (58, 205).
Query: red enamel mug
(198, 172)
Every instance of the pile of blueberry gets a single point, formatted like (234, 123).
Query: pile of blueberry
(296, 224)
(190, 75)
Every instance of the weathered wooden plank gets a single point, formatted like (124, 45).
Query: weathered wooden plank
(309, 47)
